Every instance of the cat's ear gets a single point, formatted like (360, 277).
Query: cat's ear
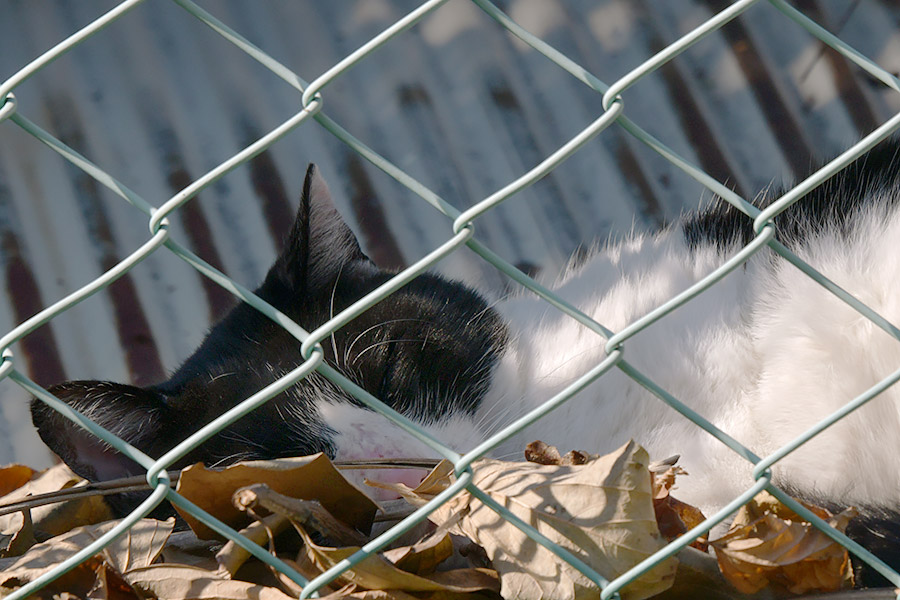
(134, 414)
(320, 244)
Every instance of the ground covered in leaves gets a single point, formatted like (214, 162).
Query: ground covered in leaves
(609, 512)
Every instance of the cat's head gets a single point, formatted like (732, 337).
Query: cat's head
(427, 351)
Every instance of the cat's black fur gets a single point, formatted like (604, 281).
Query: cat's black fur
(427, 352)
(866, 181)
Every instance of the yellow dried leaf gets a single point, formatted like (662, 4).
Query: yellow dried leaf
(13, 477)
(136, 548)
(307, 477)
(185, 548)
(350, 592)
(178, 582)
(422, 558)
(309, 513)
(673, 516)
(769, 543)
(232, 557)
(377, 573)
(601, 511)
(60, 517)
(545, 454)
(437, 480)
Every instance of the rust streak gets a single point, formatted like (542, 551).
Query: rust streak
(39, 347)
(200, 234)
(370, 216)
(141, 353)
(786, 130)
(855, 101)
(277, 209)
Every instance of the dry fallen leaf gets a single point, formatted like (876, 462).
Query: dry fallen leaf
(309, 513)
(307, 477)
(377, 573)
(673, 516)
(232, 557)
(545, 454)
(139, 547)
(13, 477)
(433, 484)
(19, 541)
(769, 543)
(110, 586)
(351, 592)
(423, 557)
(54, 519)
(601, 511)
(178, 582)
(136, 548)
(185, 548)
(398, 569)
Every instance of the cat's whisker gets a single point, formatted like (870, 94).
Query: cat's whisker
(349, 347)
(382, 343)
(331, 313)
(213, 378)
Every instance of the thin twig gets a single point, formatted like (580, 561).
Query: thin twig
(138, 483)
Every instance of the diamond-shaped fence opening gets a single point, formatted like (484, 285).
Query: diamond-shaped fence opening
(461, 231)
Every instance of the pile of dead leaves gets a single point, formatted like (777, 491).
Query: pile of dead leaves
(610, 512)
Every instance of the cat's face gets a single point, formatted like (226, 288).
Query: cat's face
(427, 351)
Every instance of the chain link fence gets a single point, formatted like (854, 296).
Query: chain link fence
(461, 230)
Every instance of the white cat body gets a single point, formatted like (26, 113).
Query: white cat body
(764, 354)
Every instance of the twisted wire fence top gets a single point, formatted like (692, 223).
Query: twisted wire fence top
(499, 139)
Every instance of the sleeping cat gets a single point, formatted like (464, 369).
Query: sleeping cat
(764, 354)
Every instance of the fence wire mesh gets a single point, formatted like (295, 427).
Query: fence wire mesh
(461, 231)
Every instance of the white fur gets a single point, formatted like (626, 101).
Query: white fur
(362, 434)
(764, 354)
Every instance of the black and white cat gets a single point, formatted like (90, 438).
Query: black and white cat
(764, 354)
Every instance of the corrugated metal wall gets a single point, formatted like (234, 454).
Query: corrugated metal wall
(157, 99)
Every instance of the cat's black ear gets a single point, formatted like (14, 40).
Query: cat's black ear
(134, 414)
(320, 244)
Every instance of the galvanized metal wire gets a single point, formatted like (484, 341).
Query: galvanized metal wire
(462, 230)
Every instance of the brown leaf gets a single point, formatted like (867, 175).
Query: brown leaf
(185, 548)
(111, 586)
(17, 543)
(231, 557)
(140, 545)
(769, 543)
(544, 454)
(177, 582)
(433, 484)
(308, 477)
(422, 558)
(309, 513)
(673, 516)
(54, 519)
(601, 511)
(12, 477)
(351, 592)
(377, 573)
